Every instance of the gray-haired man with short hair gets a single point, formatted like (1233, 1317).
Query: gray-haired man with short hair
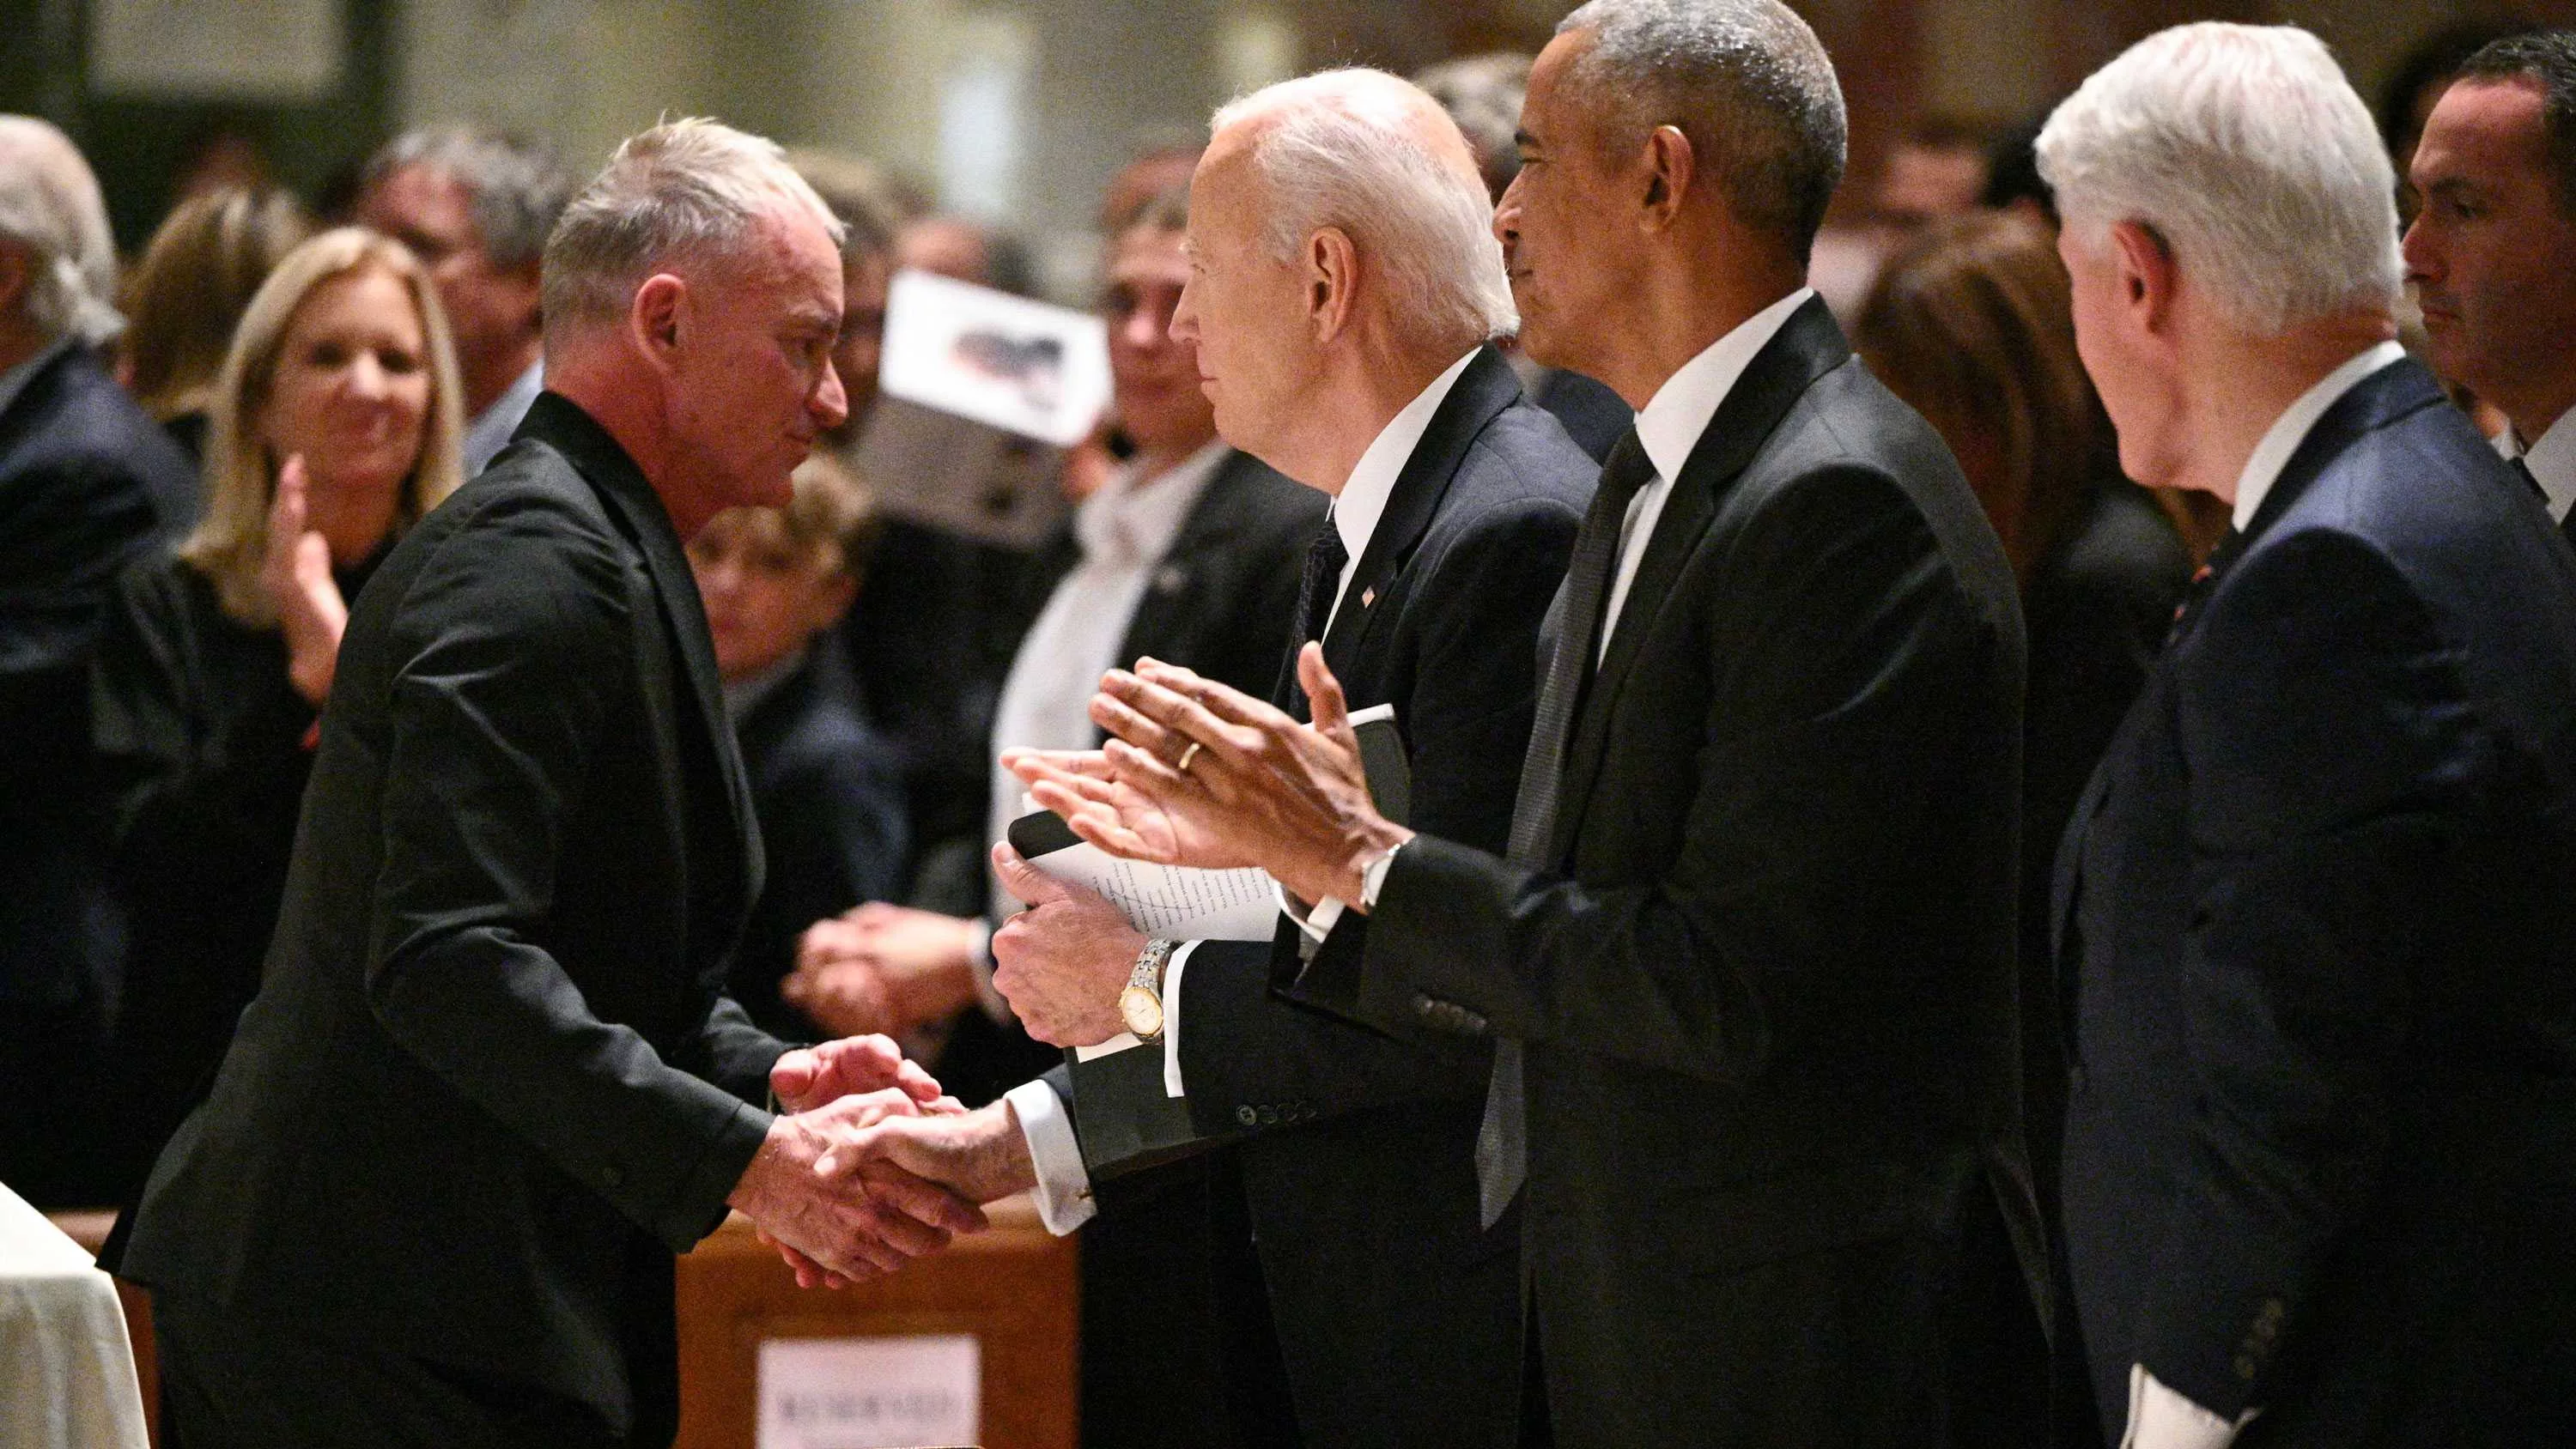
(2312, 913)
(1748, 957)
(491, 1083)
(476, 207)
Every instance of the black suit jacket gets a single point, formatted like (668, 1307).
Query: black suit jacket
(490, 1083)
(1776, 1189)
(2321, 1143)
(1212, 605)
(1163, 1364)
(88, 485)
(1396, 1313)
(828, 791)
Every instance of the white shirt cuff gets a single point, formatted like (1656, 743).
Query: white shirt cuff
(1064, 1187)
(1172, 1018)
(1373, 877)
(2160, 1418)
(1316, 923)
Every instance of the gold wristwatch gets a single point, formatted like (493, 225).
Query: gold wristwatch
(1141, 1004)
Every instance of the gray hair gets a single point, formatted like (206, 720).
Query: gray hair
(514, 188)
(1745, 80)
(693, 188)
(1483, 94)
(1338, 149)
(2247, 153)
(50, 204)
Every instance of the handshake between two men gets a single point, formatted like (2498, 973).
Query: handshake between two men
(875, 1166)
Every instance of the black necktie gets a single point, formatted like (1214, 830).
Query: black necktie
(1316, 589)
(1502, 1142)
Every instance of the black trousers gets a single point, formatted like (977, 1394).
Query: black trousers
(232, 1383)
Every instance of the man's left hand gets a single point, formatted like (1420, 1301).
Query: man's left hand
(1062, 962)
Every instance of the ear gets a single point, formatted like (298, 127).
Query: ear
(1332, 275)
(2148, 278)
(831, 598)
(1670, 167)
(653, 319)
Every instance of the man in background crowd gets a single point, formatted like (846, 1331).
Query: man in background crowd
(476, 208)
(2312, 915)
(88, 483)
(2492, 251)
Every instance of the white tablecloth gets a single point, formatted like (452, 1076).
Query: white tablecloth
(66, 1369)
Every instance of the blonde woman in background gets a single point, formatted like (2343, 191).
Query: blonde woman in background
(184, 299)
(334, 426)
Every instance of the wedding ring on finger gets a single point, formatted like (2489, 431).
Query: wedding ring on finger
(1187, 756)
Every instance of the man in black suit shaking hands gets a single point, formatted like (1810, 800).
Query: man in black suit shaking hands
(1748, 957)
(491, 1081)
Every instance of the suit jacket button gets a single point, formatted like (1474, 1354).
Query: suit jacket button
(612, 1176)
(1246, 1116)
(1426, 1008)
(1269, 1116)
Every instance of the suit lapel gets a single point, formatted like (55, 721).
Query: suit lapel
(1168, 612)
(1808, 346)
(632, 499)
(1481, 393)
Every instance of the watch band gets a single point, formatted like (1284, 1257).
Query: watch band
(1140, 1005)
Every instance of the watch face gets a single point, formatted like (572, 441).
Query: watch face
(1141, 1011)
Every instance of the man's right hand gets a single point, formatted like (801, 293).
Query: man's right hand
(982, 1155)
(853, 1224)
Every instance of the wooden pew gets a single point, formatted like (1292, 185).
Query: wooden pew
(1011, 1289)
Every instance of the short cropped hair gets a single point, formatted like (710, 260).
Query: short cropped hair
(2547, 59)
(2247, 153)
(1745, 80)
(1335, 149)
(50, 204)
(515, 189)
(694, 188)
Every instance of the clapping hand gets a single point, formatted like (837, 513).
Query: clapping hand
(296, 574)
(882, 968)
(1202, 775)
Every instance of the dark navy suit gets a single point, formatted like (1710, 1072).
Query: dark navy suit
(2313, 918)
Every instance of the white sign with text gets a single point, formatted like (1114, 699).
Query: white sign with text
(870, 1393)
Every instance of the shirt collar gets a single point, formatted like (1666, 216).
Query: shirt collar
(2263, 466)
(2552, 461)
(1132, 523)
(15, 380)
(1362, 501)
(491, 428)
(1671, 423)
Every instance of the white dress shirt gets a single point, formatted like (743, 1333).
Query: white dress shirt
(2161, 1417)
(490, 431)
(1064, 1186)
(2552, 461)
